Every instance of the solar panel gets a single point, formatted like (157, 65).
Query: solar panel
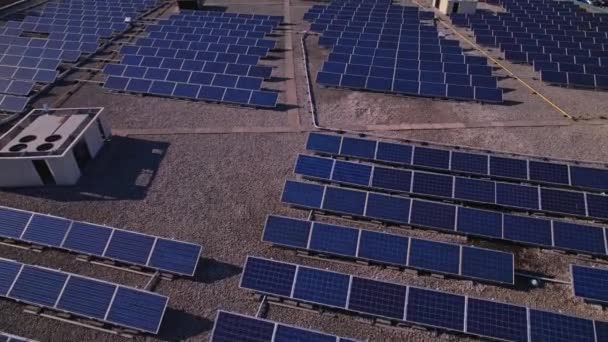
(487, 264)
(333, 239)
(377, 298)
(422, 308)
(165, 255)
(81, 296)
(387, 248)
(268, 277)
(497, 320)
(322, 287)
(590, 283)
(434, 256)
(233, 327)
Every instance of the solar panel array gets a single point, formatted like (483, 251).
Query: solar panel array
(164, 255)
(388, 249)
(420, 306)
(450, 218)
(460, 160)
(68, 30)
(378, 46)
(232, 327)
(102, 301)
(590, 283)
(200, 55)
(565, 43)
(461, 189)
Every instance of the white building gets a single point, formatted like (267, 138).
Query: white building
(51, 147)
(448, 7)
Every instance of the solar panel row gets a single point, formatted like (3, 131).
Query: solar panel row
(82, 296)
(204, 41)
(172, 256)
(461, 189)
(419, 306)
(574, 79)
(232, 327)
(449, 218)
(388, 249)
(194, 34)
(459, 160)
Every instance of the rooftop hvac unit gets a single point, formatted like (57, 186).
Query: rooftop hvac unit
(51, 147)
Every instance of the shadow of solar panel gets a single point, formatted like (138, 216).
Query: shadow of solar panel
(352, 173)
(548, 326)
(548, 172)
(381, 247)
(422, 308)
(388, 208)
(474, 190)
(15, 104)
(433, 184)
(137, 309)
(430, 157)
(86, 297)
(520, 196)
(358, 147)
(268, 277)
(231, 327)
(377, 298)
(344, 201)
(303, 194)
(46, 230)
(397, 153)
(562, 201)
(38, 286)
(8, 272)
(314, 166)
(497, 320)
(434, 215)
(434, 256)
(487, 264)
(329, 79)
(590, 283)
(581, 238)
(479, 222)
(321, 287)
(334, 239)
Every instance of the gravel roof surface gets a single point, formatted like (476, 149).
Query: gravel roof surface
(211, 173)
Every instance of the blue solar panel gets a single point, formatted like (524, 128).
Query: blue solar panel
(391, 179)
(46, 230)
(358, 147)
(474, 190)
(562, 201)
(487, 265)
(87, 297)
(324, 143)
(520, 196)
(397, 153)
(38, 286)
(479, 222)
(434, 215)
(497, 320)
(135, 308)
(302, 194)
(549, 172)
(268, 277)
(13, 222)
(434, 256)
(286, 231)
(321, 287)
(422, 308)
(579, 238)
(377, 298)
(8, 272)
(433, 184)
(548, 326)
(386, 248)
(429, 157)
(527, 229)
(344, 201)
(508, 167)
(469, 162)
(130, 247)
(589, 178)
(597, 206)
(351, 173)
(334, 239)
(388, 208)
(590, 283)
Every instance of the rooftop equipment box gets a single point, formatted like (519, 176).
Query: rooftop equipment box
(51, 147)
(448, 7)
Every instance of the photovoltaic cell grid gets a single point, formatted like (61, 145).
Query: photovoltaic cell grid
(85, 297)
(418, 183)
(590, 283)
(388, 249)
(418, 306)
(73, 28)
(176, 257)
(556, 234)
(564, 42)
(233, 327)
(200, 56)
(461, 161)
(378, 46)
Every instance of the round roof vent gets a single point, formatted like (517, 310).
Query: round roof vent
(17, 147)
(44, 147)
(53, 138)
(27, 138)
